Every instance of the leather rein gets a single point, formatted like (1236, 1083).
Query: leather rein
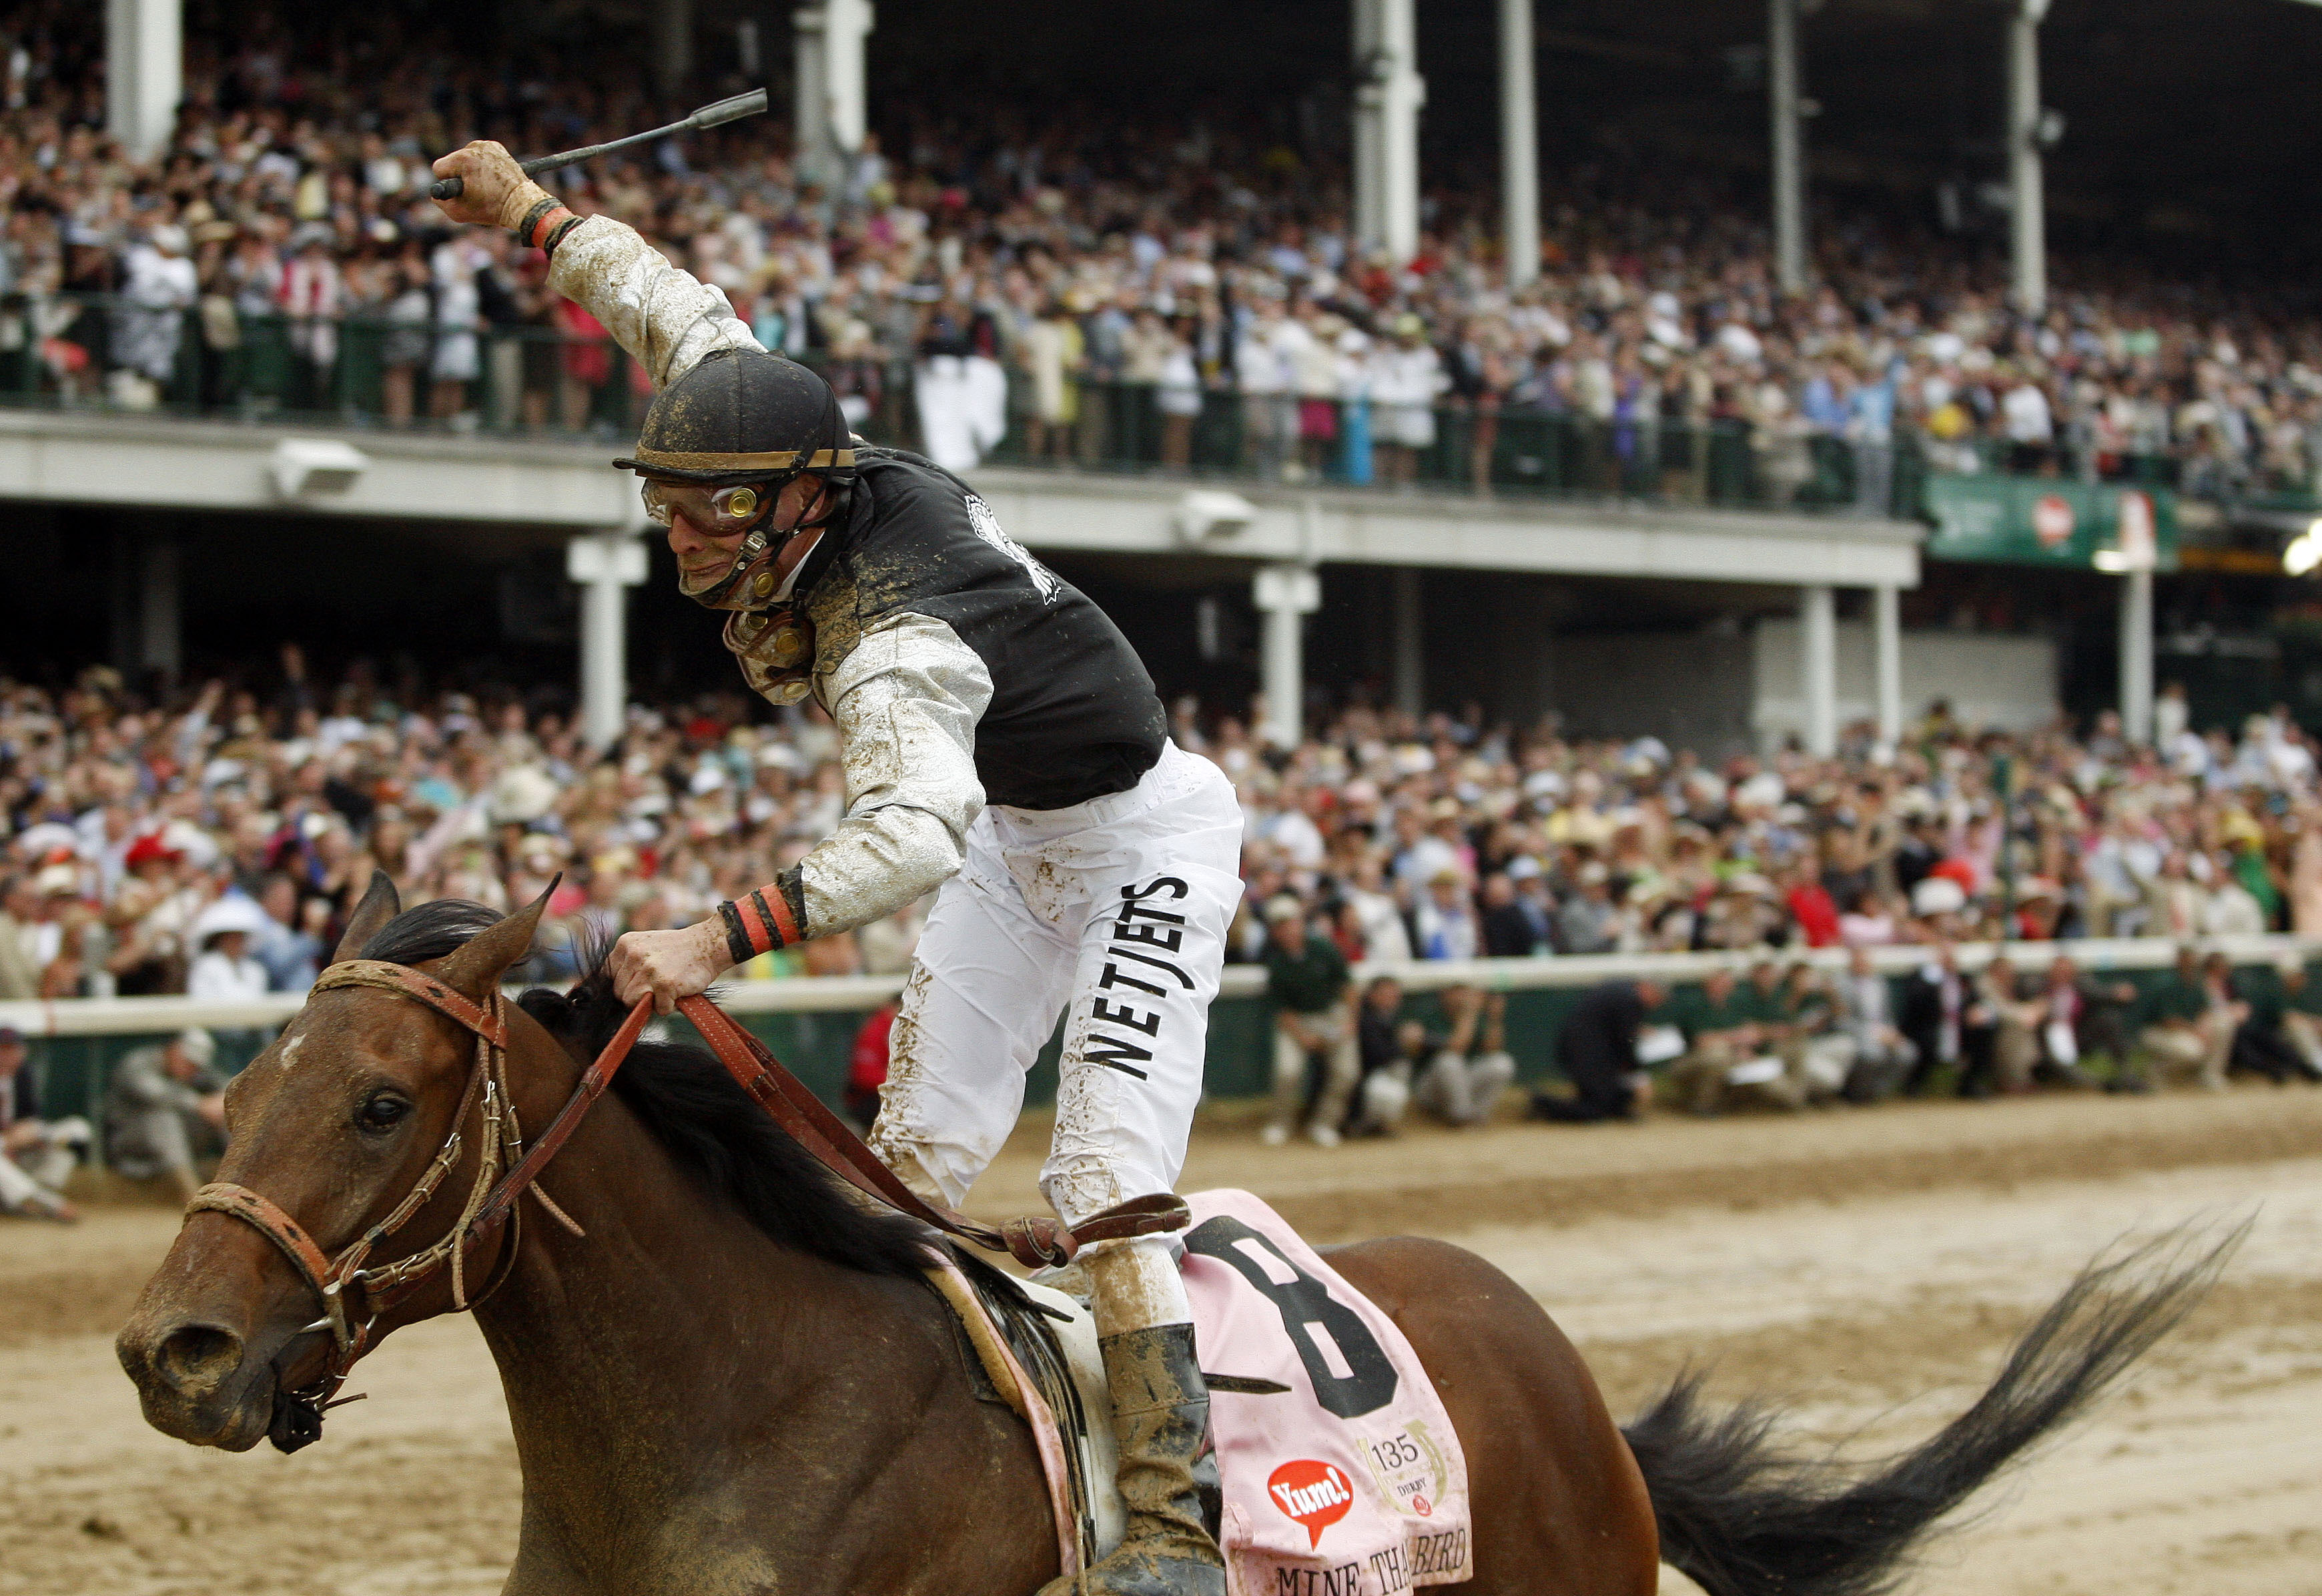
(354, 1293)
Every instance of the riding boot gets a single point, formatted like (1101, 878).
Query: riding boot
(1167, 1474)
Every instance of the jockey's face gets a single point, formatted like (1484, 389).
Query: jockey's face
(707, 525)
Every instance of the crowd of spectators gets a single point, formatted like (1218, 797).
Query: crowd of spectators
(213, 842)
(1128, 286)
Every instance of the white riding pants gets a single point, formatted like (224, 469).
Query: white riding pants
(1113, 911)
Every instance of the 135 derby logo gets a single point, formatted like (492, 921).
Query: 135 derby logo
(1315, 1494)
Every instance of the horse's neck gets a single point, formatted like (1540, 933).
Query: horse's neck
(653, 1367)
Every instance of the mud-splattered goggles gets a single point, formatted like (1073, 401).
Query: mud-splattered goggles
(713, 512)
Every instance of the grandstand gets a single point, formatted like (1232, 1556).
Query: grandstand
(1680, 427)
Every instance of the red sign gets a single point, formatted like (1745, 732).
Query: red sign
(2053, 520)
(1316, 1494)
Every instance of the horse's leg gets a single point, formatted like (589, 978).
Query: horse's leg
(1556, 1501)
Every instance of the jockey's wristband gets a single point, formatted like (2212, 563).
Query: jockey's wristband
(763, 921)
(545, 225)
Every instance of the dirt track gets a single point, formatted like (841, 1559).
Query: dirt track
(1865, 1268)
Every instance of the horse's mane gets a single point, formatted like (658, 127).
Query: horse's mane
(708, 1125)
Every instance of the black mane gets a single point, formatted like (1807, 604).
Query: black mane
(709, 1126)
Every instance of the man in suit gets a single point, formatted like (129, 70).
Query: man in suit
(1597, 1052)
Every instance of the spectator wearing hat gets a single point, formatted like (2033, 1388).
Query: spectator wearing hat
(1445, 921)
(1311, 988)
(36, 1154)
(224, 970)
(163, 1109)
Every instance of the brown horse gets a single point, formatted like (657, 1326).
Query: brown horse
(737, 1381)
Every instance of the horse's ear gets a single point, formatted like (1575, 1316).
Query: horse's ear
(476, 966)
(380, 903)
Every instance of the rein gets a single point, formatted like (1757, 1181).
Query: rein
(1033, 1241)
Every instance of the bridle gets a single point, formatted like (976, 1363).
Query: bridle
(355, 1294)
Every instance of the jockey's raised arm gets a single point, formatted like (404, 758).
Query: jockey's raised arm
(1000, 740)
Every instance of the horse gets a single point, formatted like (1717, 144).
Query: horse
(726, 1373)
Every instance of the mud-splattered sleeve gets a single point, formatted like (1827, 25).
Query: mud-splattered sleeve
(665, 317)
(906, 699)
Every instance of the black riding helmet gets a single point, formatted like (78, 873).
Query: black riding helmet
(744, 418)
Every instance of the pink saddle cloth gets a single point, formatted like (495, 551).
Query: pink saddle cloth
(1350, 1483)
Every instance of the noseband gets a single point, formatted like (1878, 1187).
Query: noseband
(1036, 1241)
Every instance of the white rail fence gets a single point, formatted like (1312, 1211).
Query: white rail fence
(850, 994)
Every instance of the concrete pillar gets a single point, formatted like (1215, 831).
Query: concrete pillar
(1286, 596)
(1887, 661)
(2136, 656)
(2027, 200)
(144, 73)
(1788, 151)
(1519, 145)
(1819, 666)
(846, 24)
(812, 107)
(832, 110)
(1409, 687)
(161, 608)
(1388, 94)
(672, 43)
(606, 564)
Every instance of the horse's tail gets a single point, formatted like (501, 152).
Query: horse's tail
(1744, 1518)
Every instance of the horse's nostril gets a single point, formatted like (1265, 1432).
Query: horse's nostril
(195, 1358)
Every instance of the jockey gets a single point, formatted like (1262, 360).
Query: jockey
(1000, 739)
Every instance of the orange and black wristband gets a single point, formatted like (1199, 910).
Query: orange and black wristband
(545, 225)
(765, 919)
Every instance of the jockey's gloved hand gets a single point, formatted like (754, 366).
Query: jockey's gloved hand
(669, 964)
(495, 192)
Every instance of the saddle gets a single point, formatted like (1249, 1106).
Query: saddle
(1338, 1465)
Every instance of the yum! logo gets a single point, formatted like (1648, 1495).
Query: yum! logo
(1315, 1494)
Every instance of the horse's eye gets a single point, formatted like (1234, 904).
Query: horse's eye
(383, 1113)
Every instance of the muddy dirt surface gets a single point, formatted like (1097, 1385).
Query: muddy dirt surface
(1865, 1270)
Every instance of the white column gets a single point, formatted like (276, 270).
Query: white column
(1819, 666)
(1886, 662)
(1519, 145)
(812, 94)
(1409, 685)
(1286, 596)
(606, 564)
(144, 73)
(1388, 94)
(846, 24)
(672, 43)
(1789, 156)
(2136, 656)
(160, 630)
(2028, 201)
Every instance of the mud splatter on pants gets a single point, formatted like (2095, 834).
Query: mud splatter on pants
(1113, 911)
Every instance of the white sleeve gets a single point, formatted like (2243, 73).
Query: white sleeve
(906, 700)
(665, 317)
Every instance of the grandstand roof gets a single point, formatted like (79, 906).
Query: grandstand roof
(2189, 123)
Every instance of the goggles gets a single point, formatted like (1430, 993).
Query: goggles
(713, 512)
